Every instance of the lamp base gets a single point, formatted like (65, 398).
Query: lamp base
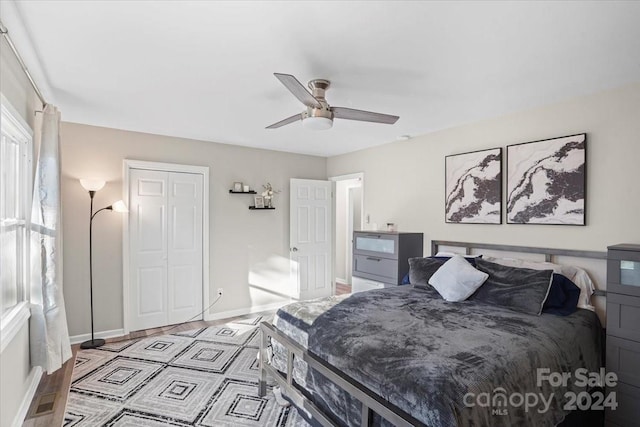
(99, 342)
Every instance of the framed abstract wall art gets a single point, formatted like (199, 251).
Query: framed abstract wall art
(473, 187)
(546, 181)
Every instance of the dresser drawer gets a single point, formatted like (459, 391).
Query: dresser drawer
(628, 411)
(623, 276)
(623, 358)
(375, 244)
(376, 266)
(623, 316)
(623, 269)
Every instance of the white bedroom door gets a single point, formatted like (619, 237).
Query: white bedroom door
(311, 238)
(165, 237)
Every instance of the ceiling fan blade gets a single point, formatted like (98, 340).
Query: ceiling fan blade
(363, 116)
(286, 121)
(299, 91)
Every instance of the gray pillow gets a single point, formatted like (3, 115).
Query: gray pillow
(421, 270)
(520, 289)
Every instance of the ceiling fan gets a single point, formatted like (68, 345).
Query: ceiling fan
(319, 114)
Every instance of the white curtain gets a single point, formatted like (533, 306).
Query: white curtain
(49, 335)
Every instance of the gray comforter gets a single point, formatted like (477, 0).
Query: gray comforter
(438, 360)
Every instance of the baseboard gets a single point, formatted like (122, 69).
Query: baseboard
(33, 380)
(77, 339)
(341, 280)
(244, 311)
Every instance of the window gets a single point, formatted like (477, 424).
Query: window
(15, 204)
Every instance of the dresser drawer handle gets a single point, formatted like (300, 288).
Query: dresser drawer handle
(373, 259)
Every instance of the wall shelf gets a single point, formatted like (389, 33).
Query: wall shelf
(242, 192)
(253, 208)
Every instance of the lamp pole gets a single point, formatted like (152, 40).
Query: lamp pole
(93, 185)
(92, 343)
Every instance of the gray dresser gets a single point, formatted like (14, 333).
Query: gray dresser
(381, 259)
(623, 332)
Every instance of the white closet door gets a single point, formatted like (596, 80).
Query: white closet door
(165, 229)
(148, 240)
(185, 247)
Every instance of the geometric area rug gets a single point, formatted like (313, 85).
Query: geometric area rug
(205, 377)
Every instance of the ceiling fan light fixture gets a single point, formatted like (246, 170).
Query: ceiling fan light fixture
(317, 123)
(319, 114)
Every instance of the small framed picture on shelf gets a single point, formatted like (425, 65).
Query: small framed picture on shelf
(258, 202)
(237, 187)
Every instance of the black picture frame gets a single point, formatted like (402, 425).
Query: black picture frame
(481, 172)
(547, 181)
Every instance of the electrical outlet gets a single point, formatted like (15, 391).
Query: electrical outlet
(220, 291)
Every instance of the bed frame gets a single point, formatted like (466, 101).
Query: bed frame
(370, 402)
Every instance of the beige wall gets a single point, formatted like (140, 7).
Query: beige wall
(412, 196)
(14, 369)
(249, 250)
(14, 361)
(15, 86)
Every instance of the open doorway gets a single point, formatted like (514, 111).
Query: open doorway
(349, 216)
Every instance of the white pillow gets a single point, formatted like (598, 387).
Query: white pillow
(575, 274)
(456, 280)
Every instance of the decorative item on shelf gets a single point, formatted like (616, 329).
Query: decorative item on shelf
(93, 185)
(240, 188)
(268, 194)
(258, 202)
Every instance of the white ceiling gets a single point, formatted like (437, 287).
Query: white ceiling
(203, 69)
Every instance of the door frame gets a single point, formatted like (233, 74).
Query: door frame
(350, 218)
(349, 176)
(127, 165)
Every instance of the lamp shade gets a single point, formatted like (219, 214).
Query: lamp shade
(92, 184)
(317, 123)
(119, 206)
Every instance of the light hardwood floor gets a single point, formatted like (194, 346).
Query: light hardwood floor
(342, 288)
(60, 381)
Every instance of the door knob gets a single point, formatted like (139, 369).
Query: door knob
(294, 249)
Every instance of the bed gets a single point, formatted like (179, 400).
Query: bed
(404, 356)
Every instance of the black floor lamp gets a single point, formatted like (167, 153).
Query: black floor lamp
(93, 185)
